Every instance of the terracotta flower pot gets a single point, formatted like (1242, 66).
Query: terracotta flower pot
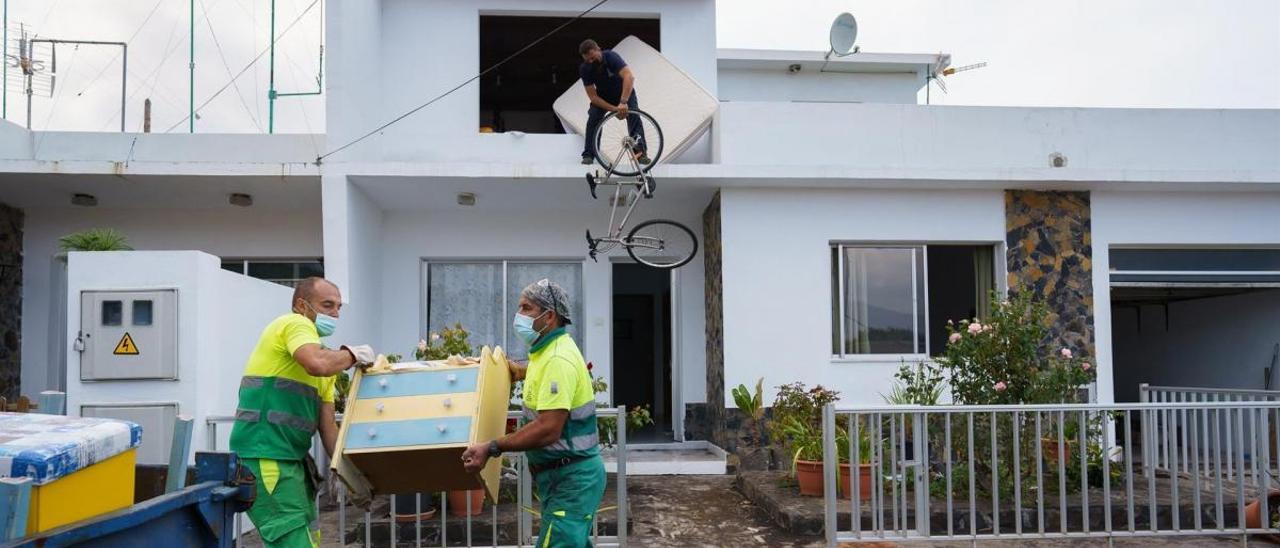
(1049, 449)
(1253, 511)
(809, 476)
(457, 501)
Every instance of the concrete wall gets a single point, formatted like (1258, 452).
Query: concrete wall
(1145, 219)
(162, 147)
(235, 232)
(813, 86)
(220, 317)
(423, 48)
(1220, 342)
(408, 237)
(777, 275)
(937, 140)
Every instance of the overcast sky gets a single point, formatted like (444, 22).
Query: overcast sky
(1092, 53)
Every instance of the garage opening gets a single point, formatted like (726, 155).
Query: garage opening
(1194, 318)
(518, 96)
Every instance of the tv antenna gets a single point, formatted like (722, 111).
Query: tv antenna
(941, 69)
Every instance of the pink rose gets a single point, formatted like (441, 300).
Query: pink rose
(1085, 366)
(1001, 387)
(435, 337)
(1066, 352)
(422, 346)
(975, 328)
(954, 338)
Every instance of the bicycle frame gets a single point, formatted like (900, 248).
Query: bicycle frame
(614, 238)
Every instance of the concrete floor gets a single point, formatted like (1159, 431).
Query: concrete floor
(686, 511)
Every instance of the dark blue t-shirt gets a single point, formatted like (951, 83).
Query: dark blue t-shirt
(604, 76)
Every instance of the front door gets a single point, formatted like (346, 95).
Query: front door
(642, 347)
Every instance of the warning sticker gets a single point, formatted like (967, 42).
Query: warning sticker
(126, 347)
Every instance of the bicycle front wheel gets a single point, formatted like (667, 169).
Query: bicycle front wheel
(619, 143)
(662, 244)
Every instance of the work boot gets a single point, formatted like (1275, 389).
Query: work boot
(587, 159)
(643, 159)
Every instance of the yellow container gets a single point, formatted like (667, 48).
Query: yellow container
(103, 487)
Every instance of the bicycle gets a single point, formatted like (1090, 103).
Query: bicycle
(657, 243)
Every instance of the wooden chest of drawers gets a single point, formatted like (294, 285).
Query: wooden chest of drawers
(404, 431)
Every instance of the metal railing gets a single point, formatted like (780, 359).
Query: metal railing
(979, 473)
(1164, 439)
(524, 507)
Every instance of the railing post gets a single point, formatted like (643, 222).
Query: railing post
(830, 462)
(622, 475)
(920, 445)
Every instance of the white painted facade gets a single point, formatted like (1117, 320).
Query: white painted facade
(800, 160)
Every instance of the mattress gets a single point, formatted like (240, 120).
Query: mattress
(681, 106)
(47, 447)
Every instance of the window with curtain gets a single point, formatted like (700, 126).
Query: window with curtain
(483, 296)
(896, 299)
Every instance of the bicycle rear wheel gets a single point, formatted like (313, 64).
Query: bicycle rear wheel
(661, 244)
(614, 139)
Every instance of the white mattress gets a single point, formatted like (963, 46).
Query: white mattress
(682, 107)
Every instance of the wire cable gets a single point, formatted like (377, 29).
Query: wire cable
(463, 84)
(246, 68)
(227, 67)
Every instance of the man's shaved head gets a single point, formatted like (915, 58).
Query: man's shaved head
(316, 294)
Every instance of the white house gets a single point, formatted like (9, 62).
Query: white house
(841, 221)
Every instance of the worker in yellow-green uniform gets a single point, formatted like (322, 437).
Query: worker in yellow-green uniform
(286, 396)
(560, 438)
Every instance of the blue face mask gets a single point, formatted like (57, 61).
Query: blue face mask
(524, 328)
(325, 324)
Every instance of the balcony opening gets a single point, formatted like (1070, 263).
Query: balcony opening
(518, 96)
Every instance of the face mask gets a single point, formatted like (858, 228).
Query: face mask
(325, 324)
(524, 328)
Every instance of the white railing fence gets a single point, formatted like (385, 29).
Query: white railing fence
(1046, 471)
(515, 532)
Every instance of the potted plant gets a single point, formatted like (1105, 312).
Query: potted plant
(751, 452)
(807, 465)
(1253, 513)
(95, 239)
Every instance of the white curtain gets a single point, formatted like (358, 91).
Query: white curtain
(466, 293)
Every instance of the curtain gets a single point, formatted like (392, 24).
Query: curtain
(466, 293)
(567, 275)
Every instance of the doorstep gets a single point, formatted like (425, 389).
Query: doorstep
(697, 457)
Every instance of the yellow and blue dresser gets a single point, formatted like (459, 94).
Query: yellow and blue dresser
(406, 426)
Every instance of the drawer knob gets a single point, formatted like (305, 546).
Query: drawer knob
(448, 402)
(382, 383)
(442, 427)
(373, 432)
(379, 407)
(452, 378)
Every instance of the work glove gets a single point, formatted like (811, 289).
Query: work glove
(363, 353)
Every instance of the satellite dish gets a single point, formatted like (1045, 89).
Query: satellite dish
(844, 30)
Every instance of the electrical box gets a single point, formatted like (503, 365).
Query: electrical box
(156, 420)
(128, 335)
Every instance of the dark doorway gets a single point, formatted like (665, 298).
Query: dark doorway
(518, 96)
(642, 346)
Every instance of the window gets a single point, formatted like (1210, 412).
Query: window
(1192, 267)
(896, 299)
(286, 272)
(518, 95)
(483, 296)
(112, 313)
(141, 312)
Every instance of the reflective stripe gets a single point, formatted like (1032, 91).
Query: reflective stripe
(576, 443)
(295, 387)
(251, 382)
(584, 411)
(248, 415)
(292, 421)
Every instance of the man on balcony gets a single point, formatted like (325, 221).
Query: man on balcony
(610, 88)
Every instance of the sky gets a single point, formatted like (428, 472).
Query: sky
(1063, 53)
